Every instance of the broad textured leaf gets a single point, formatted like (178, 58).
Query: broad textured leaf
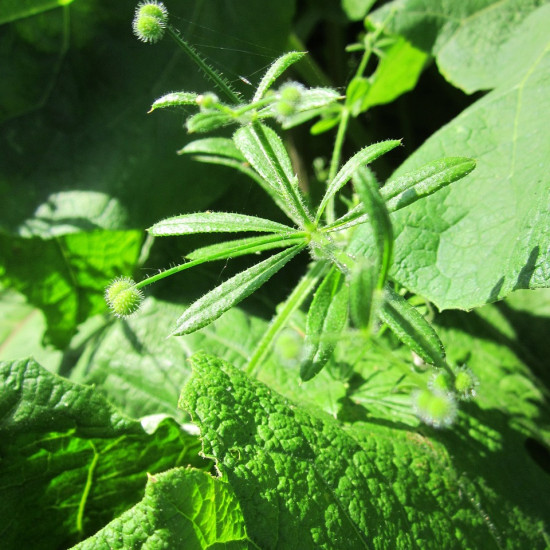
(362, 158)
(327, 317)
(305, 480)
(22, 328)
(214, 222)
(472, 41)
(216, 302)
(181, 508)
(70, 461)
(411, 328)
(66, 276)
(175, 99)
(479, 239)
(277, 68)
(141, 371)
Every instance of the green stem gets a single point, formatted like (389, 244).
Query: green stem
(292, 303)
(330, 214)
(212, 74)
(286, 240)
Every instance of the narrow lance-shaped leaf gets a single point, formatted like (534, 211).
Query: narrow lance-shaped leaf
(277, 68)
(409, 188)
(250, 245)
(313, 102)
(206, 122)
(214, 222)
(362, 292)
(175, 99)
(426, 180)
(216, 146)
(326, 319)
(379, 218)
(362, 158)
(412, 328)
(216, 302)
(265, 151)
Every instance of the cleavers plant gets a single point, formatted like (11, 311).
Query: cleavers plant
(352, 290)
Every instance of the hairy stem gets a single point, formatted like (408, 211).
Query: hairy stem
(211, 73)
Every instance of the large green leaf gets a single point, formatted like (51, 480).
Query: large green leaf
(70, 461)
(22, 327)
(304, 480)
(66, 276)
(488, 234)
(181, 508)
(471, 41)
(141, 371)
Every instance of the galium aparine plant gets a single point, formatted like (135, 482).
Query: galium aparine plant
(350, 284)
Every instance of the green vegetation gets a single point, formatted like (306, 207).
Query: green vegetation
(362, 363)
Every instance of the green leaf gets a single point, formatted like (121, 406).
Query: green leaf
(22, 329)
(362, 292)
(231, 292)
(362, 158)
(70, 461)
(214, 222)
(181, 508)
(411, 328)
(355, 94)
(473, 43)
(404, 190)
(379, 220)
(305, 480)
(357, 9)
(12, 10)
(496, 218)
(313, 102)
(206, 122)
(216, 146)
(251, 245)
(326, 319)
(66, 276)
(175, 99)
(397, 73)
(265, 151)
(277, 68)
(134, 365)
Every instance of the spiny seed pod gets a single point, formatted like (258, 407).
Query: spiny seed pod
(123, 297)
(440, 381)
(150, 21)
(290, 95)
(435, 408)
(466, 383)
